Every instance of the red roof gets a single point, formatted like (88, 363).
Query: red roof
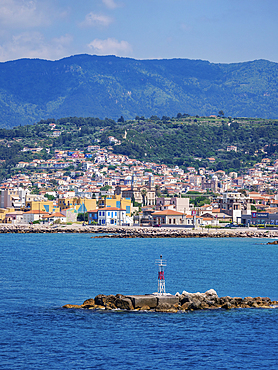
(167, 212)
(57, 214)
(37, 212)
(111, 209)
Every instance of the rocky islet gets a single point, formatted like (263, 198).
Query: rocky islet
(179, 302)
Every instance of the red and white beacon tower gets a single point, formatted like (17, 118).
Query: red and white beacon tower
(161, 278)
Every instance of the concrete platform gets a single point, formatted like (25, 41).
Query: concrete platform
(138, 301)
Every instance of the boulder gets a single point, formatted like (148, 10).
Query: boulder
(211, 294)
(100, 299)
(144, 308)
(88, 303)
(227, 305)
(195, 305)
(184, 299)
(124, 303)
(110, 300)
(72, 306)
(185, 306)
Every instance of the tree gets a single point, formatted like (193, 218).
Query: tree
(105, 188)
(157, 190)
(221, 113)
(121, 119)
(144, 194)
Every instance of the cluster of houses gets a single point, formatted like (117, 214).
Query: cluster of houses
(117, 190)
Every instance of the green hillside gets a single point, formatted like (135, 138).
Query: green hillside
(184, 140)
(109, 86)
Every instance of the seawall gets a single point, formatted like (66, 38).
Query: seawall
(140, 232)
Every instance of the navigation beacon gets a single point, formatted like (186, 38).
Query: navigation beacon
(161, 278)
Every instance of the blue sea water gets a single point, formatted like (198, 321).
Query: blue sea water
(40, 273)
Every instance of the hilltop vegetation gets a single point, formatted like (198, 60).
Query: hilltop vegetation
(182, 140)
(109, 86)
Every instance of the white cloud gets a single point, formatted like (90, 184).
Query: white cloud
(93, 19)
(34, 45)
(110, 4)
(21, 13)
(110, 46)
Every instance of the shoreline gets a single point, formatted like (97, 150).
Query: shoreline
(139, 232)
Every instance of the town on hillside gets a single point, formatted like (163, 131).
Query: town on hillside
(113, 189)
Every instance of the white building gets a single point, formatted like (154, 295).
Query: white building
(32, 216)
(110, 216)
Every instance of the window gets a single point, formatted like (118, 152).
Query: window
(109, 214)
(115, 213)
(170, 221)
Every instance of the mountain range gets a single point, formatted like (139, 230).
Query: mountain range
(109, 86)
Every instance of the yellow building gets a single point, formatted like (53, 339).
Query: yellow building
(47, 206)
(116, 201)
(82, 205)
(4, 211)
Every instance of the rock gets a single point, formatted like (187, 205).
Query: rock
(195, 305)
(110, 300)
(88, 303)
(184, 299)
(124, 303)
(172, 303)
(100, 299)
(145, 308)
(120, 296)
(72, 306)
(185, 306)
(227, 306)
(211, 294)
(223, 300)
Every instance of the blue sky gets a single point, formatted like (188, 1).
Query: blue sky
(220, 31)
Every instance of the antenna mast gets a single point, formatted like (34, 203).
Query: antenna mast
(161, 279)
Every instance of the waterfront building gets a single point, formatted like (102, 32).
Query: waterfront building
(173, 218)
(118, 202)
(111, 216)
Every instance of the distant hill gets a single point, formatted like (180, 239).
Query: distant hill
(109, 86)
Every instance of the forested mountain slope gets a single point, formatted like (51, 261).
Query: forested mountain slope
(109, 86)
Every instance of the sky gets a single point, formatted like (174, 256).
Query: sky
(220, 31)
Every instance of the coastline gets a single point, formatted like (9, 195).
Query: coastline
(139, 232)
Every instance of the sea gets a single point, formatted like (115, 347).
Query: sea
(39, 273)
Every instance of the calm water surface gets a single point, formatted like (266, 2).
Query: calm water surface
(40, 273)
